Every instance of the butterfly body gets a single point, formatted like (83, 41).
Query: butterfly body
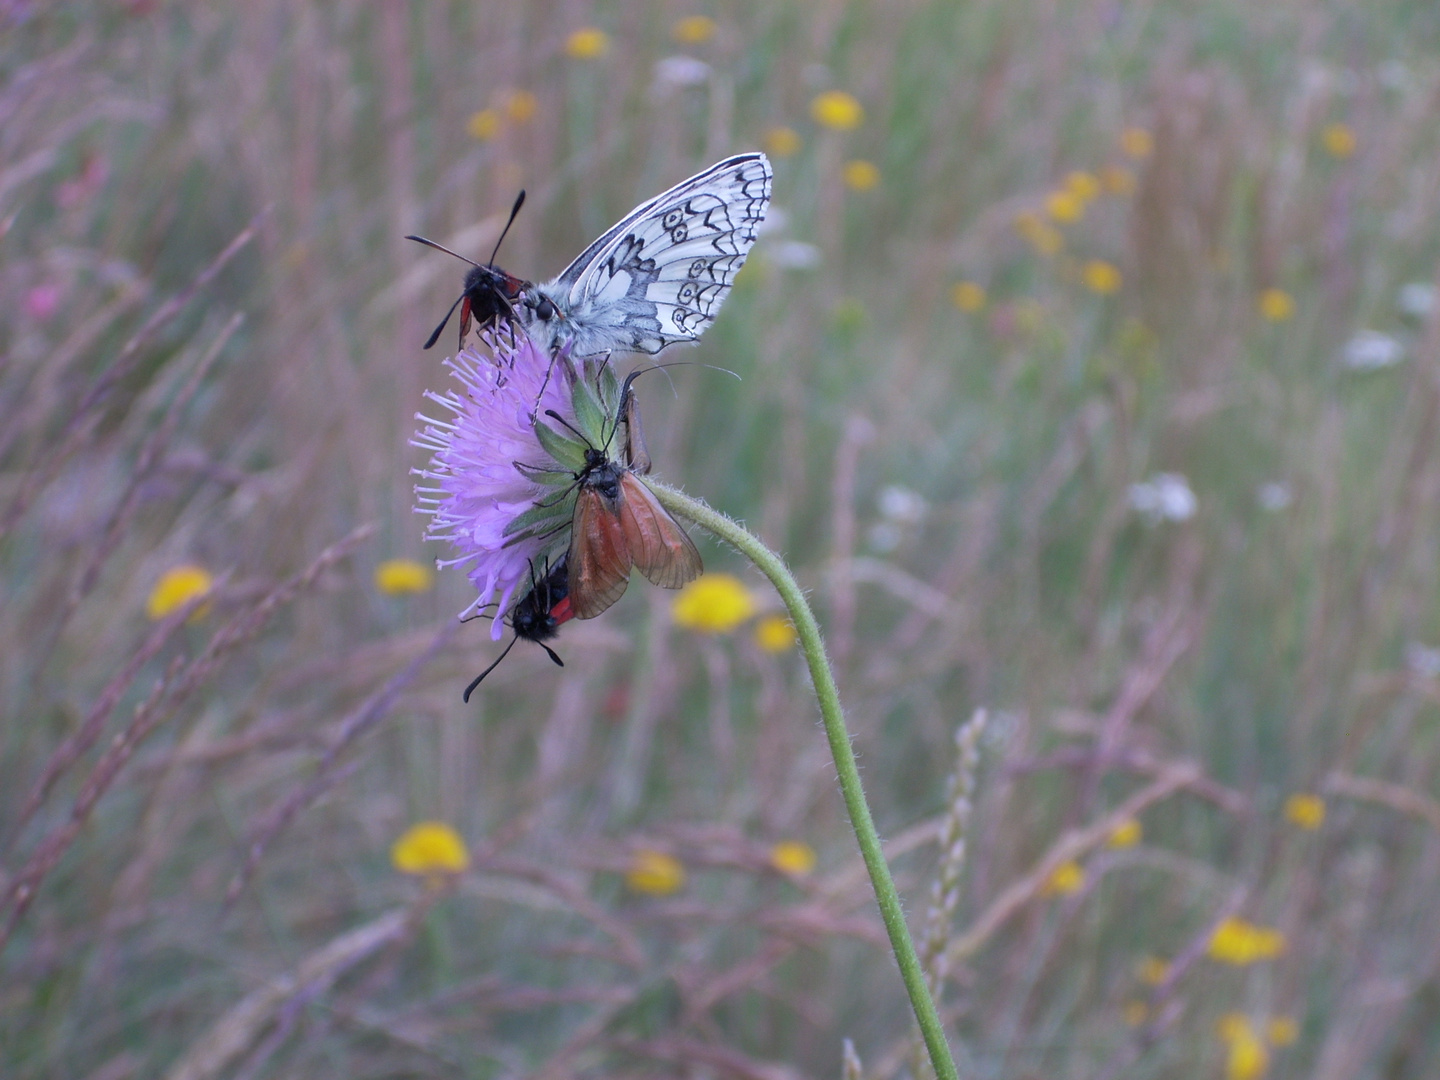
(659, 275)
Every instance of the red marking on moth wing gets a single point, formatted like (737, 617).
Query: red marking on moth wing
(464, 319)
(563, 611)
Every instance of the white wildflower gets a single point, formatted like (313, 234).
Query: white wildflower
(1164, 497)
(681, 71)
(1416, 299)
(901, 505)
(795, 255)
(1274, 496)
(1422, 659)
(1370, 350)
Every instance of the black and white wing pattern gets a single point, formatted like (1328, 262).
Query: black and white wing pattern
(660, 274)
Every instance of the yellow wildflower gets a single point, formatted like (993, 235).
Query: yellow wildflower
(861, 175)
(397, 576)
(1276, 305)
(1083, 185)
(782, 142)
(1231, 1025)
(587, 44)
(1152, 971)
(713, 604)
(1101, 277)
(1065, 879)
(1042, 237)
(1338, 140)
(1065, 206)
(1135, 1012)
(1118, 180)
(1137, 142)
(1236, 941)
(1307, 811)
(1282, 1031)
(1126, 834)
(483, 125)
(792, 857)
(430, 848)
(655, 873)
(693, 30)
(775, 634)
(1247, 1058)
(837, 110)
(968, 296)
(176, 588)
(521, 106)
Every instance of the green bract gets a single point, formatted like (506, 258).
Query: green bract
(595, 401)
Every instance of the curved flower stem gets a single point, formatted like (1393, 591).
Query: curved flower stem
(825, 690)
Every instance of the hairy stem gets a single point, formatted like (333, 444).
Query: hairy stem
(808, 631)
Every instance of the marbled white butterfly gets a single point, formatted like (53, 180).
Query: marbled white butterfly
(658, 276)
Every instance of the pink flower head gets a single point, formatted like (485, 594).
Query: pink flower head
(497, 495)
(42, 301)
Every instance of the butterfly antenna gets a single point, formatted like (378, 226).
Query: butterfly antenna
(680, 363)
(519, 202)
(465, 697)
(548, 372)
(436, 335)
(441, 247)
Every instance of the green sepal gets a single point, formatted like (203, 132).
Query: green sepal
(567, 452)
(554, 478)
(590, 416)
(536, 516)
(609, 392)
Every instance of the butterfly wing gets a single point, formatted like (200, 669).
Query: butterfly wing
(599, 557)
(659, 547)
(660, 274)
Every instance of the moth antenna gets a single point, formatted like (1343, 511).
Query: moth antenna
(553, 655)
(519, 202)
(441, 247)
(465, 697)
(557, 417)
(436, 335)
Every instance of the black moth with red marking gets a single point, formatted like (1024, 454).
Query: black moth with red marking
(537, 617)
(489, 293)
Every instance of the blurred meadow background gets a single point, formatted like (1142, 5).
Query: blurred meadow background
(1090, 380)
